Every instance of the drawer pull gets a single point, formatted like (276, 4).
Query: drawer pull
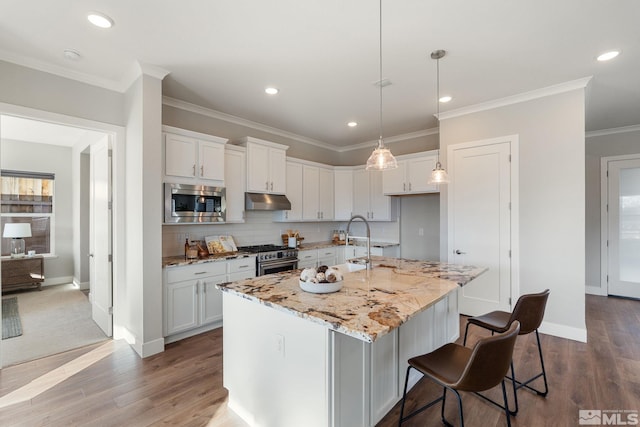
(200, 272)
(243, 266)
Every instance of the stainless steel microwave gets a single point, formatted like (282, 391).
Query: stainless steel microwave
(194, 204)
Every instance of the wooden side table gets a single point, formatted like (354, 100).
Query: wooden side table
(21, 273)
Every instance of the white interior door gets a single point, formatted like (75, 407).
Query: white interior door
(100, 240)
(480, 222)
(624, 228)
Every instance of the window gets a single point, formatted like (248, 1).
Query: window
(28, 197)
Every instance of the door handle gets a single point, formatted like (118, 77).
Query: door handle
(459, 252)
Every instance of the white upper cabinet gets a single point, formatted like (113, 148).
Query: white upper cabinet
(368, 199)
(293, 192)
(327, 196)
(235, 182)
(318, 194)
(411, 176)
(343, 194)
(191, 157)
(266, 166)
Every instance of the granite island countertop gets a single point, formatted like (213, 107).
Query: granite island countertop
(328, 244)
(370, 304)
(175, 261)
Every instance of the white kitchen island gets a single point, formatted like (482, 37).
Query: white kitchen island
(293, 358)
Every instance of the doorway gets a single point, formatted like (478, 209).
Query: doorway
(482, 211)
(620, 185)
(63, 266)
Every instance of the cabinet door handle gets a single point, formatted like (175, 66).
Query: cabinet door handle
(194, 169)
(404, 186)
(409, 186)
(271, 185)
(371, 215)
(266, 185)
(286, 214)
(201, 170)
(204, 288)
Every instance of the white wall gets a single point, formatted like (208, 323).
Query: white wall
(552, 197)
(420, 212)
(140, 297)
(27, 156)
(597, 147)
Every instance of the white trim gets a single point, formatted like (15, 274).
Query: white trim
(563, 331)
(113, 85)
(604, 218)
(611, 131)
(54, 281)
(208, 112)
(516, 99)
(595, 290)
(83, 286)
(195, 135)
(152, 347)
(514, 143)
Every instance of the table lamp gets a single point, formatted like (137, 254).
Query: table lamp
(16, 231)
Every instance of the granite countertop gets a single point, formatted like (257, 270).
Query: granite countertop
(174, 261)
(328, 244)
(370, 304)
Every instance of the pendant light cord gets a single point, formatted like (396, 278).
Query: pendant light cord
(380, 143)
(438, 103)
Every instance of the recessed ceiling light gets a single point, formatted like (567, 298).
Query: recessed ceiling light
(608, 55)
(446, 98)
(271, 90)
(352, 124)
(100, 20)
(72, 54)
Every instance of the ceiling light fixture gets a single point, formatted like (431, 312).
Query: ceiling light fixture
(352, 124)
(271, 91)
(438, 174)
(100, 20)
(381, 158)
(608, 55)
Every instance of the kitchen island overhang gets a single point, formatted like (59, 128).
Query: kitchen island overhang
(292, 357)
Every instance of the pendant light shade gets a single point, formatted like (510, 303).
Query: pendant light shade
(381, 158)
(438, 174)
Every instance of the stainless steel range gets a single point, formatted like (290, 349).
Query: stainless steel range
(272, 258)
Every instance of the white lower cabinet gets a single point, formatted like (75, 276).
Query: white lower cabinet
(327, 256)
(308, 258)
(192, 304)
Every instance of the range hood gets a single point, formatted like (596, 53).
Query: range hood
(266, 202)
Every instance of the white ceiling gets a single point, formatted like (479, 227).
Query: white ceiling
(323, 55)
(26, 130)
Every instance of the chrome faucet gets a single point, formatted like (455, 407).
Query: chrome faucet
(368, 260)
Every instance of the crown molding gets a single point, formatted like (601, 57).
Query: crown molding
(49, 68)
(208, 112)
(612, 131)
(516, 99)
(390, 140)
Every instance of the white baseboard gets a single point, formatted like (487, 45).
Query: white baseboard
(152, 347)
(53, 281)
(595, 290)
(563, 331)
(83, 286)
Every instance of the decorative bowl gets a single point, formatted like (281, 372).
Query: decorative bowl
(320, 288)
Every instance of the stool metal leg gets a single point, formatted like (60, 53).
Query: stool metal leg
(543, 374)
(506, 407)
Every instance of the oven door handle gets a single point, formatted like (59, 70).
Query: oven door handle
(269, 265)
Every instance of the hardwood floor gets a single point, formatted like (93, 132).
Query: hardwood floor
(183, 385)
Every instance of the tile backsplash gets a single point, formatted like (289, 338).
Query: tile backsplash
(259, 228)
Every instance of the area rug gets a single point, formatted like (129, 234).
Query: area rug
(11, 325)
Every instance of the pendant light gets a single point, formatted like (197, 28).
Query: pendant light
(381, 158)
(438, 174)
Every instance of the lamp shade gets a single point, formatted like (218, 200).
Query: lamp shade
(17, 230)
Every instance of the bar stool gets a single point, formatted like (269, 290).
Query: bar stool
(459, 368)
(529, 311)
